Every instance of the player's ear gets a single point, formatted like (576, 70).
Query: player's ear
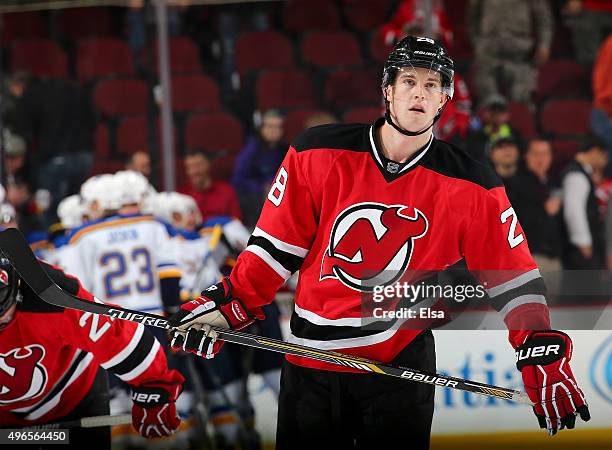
(385, 92)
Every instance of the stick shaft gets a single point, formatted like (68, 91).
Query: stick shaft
(14, 245)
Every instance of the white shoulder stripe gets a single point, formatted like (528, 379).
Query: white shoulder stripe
(522, 300)
(283, 246)
(127, 350)
(144, 365)
(269, 260)
(513, 283)
(319, 320)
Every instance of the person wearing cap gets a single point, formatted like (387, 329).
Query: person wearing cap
(492, 124)
(504, 156)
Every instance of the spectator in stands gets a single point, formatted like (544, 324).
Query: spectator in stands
(582, 223)
(537, 204)
(139, 161)
(15, 160)
(491, 125)
(57, 116)
(601, 115)
(257, 163)
(504, 156)
(504, 45)
(589, 21)
(412, 17)
(214, 197)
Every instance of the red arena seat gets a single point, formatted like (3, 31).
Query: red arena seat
(214, 132)
(263, 50)
(348, 88)
(331, 49)
(40, 57)
(565, 117)
(195, 93)
(133, 134)
(284, 89)
(121, 97)
(99, 58)
(300, 16)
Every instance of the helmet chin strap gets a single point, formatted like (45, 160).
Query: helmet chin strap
(404, 131)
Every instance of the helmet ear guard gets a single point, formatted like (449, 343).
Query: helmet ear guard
(420, 52)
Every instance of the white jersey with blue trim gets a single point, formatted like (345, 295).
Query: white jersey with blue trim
(198, 262)
(122, 259)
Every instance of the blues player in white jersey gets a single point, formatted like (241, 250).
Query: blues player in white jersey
(125, 257)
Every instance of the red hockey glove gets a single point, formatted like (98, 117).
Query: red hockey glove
(215, 307)
(543, 360)
(154, 411)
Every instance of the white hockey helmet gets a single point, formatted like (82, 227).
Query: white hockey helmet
(70, 211)
(159, 204)
(8, 216)
(98, 194)
(132, 187)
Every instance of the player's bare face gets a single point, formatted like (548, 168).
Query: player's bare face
(416, 97)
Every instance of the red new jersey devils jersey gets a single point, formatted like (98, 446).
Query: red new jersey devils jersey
(349, 219)
(49, 356)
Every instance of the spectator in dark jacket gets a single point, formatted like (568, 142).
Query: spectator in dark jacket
(257, 164)
(583, 225)
(504, 156)
(56, 118)
(537, 204)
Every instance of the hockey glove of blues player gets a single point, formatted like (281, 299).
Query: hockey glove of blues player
(154, 409)
(216, 307)
(543, 360)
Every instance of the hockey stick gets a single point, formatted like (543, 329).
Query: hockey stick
(16, 249)
(86, 422)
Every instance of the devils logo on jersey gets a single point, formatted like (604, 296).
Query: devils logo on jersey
(22, 376)
(371, 244)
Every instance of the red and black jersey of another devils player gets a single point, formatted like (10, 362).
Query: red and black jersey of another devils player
(49, 355)
(348, 218)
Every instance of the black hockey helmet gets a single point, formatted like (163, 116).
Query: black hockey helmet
(9, 282)
(424, 52)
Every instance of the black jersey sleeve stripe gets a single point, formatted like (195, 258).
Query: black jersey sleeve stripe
(289, 261)
(535, 288)
(136, 357)
(305, 329)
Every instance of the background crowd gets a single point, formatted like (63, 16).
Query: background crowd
(533, 98)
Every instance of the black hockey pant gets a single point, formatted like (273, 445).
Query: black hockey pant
(337, 410)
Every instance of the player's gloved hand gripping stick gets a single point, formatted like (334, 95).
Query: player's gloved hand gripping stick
(16, 249)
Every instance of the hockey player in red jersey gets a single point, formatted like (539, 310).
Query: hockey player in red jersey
(52, 363)
(358, 206)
